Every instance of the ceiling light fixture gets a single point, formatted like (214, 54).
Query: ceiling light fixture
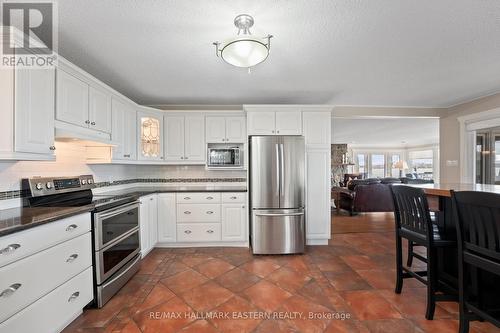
(244, 50)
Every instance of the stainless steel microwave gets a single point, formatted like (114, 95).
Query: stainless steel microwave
(225, 157)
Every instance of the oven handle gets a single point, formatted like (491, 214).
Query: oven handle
(129, 264)
(117, 211)
(119, 239)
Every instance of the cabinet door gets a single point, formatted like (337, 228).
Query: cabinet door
(123, 130)
(150, 135)
(233, 222)
(72, 100)
(215, 129)
(194, 139)
(174, 138)
(261, 123)
(99, 110)
(153, 221)
(144, 216)
(289, 123)
(130, 133)
(317, 128)
(236, 130)
(166, 218)
(34, 110)
(318, 194)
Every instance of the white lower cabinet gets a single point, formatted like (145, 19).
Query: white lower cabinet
(56, 310)
(166, 218)
(233, 222)
(198, 232)
(148, 223)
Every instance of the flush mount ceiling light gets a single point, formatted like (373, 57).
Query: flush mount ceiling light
(244, 50)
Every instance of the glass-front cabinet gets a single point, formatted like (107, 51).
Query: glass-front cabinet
(150, 133)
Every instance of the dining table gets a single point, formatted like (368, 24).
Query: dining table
(439, 199)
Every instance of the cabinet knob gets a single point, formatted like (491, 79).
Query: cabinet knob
(87, 122)
(233, 198)
(10, 248)
(72, 258)
(9, 291)
(74, 296)
(209, 212)
(127, 155)
(150, 199)
(187, 212)
(187, 198)
(272, 131)
(52, 147)
(182, 157)
(210, 231)
(210, 198)
(92, 123)
(187, 231)
(185, 157)
(278, 132)
(71, 227)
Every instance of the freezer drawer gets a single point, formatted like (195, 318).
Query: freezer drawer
(279, 231)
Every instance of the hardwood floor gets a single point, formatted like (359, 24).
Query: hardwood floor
(343, 223)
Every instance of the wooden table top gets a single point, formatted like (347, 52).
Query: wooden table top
(443, 190)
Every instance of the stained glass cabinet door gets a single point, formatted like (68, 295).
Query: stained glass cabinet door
(150, 135)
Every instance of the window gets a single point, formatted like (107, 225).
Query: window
(361, 163)
(377, 166)
(394, 172)
(421, 163)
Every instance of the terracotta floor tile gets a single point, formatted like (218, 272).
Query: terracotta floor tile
(332, 265)
(260, 267)
(346, 326)
(392, 326)
(297, 264)
(314, 292)
(174, 267)
(158, 295)
(299, 304)
(288, 279)
(369, 305)
(195, 260)
(206, 296)
(235, 324)
(237, 279)
(271, 326)
(184, 281)
(160, 318)
(130, 327)
(379, 279)
(213, 268)
(266, 295)
(235, 259)
(360, 262)
(199, 326)
(348, 280)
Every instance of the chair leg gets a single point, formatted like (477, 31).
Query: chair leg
(410, 254)
(431, 284)
(399, 265)
(463, 323)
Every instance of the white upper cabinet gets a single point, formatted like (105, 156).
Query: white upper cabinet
(289, 123)
(194, 138)
(72, 104)
(174, 138)
(99, 110)
(150, 135)
(317, 128)
(185, 139)
(225, 129)
(275, 122)
(34, 111)
(124, 128)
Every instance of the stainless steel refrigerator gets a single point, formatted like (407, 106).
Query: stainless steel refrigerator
(277, 194)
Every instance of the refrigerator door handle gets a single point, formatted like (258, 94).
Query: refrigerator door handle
(279, 214)
(278, 177)
(282, 169)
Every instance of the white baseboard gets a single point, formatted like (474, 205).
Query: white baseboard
(317, 241)
(206, 244)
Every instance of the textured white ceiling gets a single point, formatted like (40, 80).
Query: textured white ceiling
(344, 52)
(391, 132)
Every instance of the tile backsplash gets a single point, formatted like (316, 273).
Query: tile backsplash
(70, 161)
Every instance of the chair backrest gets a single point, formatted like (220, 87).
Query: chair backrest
(411, 210)
(478, 223)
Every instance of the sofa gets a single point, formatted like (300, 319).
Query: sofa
(367, 195)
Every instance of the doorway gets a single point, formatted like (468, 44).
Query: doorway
(488, 156)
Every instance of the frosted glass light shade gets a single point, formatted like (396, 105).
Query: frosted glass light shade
(245, 52)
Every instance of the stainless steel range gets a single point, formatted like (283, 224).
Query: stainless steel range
(115, 227)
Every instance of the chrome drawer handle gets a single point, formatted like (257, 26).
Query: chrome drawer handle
(187, 231)
(74, 296)
(9, 291)
(210, 198)
(187, 212)
(210, 212)
(10, 248)
(187, 198)
(72, 258)
(210, 231)
(233, 198)
(71, 227)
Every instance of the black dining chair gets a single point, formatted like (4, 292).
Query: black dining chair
(478, 237)
(414, 223)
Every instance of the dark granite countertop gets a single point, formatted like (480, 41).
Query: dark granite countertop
(18, 219)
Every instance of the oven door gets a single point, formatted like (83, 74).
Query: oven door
(112, 224)
(111, 258)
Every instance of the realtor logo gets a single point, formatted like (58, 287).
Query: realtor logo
(29, 36)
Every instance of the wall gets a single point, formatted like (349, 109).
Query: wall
(71, 161)
(449, 130)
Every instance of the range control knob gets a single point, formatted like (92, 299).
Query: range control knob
(84, 181)
(49, 185)
(90, 181)
(39, 186)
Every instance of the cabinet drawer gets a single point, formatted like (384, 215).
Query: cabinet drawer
(237, 197)
(52, 312)
(198, 213)
(26, 280)
(22, 244)
(198, 232)
(209, 197)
